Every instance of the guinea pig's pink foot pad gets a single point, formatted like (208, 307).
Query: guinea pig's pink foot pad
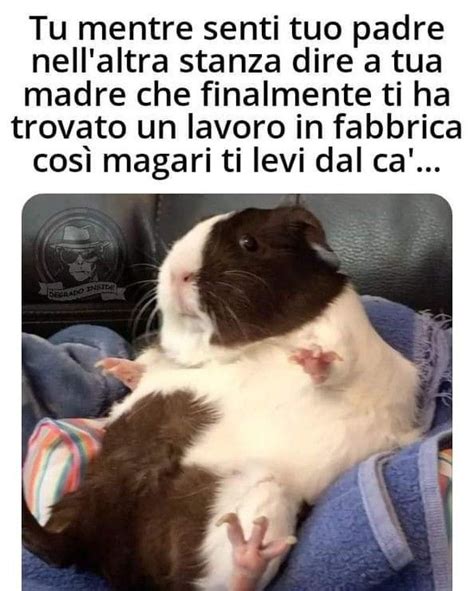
(251, 557)
(127, 371)
(315, 362)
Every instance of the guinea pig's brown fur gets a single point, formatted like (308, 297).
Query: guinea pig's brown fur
(261, 275)
(139, 516)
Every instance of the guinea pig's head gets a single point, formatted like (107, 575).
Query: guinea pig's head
(242, 277)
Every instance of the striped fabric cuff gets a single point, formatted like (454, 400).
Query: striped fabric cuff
(58, 454)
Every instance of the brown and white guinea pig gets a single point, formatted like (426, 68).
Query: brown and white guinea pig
(269, 382)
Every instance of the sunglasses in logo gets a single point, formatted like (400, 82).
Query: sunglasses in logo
(69, 255)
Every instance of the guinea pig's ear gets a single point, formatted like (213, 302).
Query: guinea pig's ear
(327, 255)
(316, 237)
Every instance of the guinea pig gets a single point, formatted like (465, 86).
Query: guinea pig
(268, 382)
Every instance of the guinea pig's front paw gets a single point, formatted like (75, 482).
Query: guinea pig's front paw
(127, 371)
(251, 557)
(316, 362)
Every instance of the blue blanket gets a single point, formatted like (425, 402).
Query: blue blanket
(60, 380)
(380, 526)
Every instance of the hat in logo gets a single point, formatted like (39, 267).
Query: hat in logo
(79, 237)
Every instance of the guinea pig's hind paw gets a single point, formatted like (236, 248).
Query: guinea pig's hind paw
(251, 557)
(315, 362)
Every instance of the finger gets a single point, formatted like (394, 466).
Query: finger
(234, 529)
(313, 367)
(260, 526)
(278, 547)
(301, 355)
(108, 363)
(316, 351)
(330, 357)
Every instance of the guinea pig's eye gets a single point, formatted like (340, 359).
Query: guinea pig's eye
(248, 243)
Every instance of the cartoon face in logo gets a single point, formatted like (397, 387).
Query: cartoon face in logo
(80, 252)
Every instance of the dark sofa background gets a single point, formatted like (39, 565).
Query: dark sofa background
(90, 258)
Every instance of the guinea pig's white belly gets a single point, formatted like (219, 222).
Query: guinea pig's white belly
(304, 438)
(272, 414)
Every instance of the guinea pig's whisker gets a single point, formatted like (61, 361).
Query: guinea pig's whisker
(231, 313)
(142, 282)
(262, 331)
(141, 307)
(151, 317)
(237, 321)
(152, 301)
(137, 317)
(156, 267)
(217, 298)
(247, 274)
(148, 294)
(234, 288)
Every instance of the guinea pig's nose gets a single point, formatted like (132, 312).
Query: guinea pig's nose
(183, 277)
(188, 277)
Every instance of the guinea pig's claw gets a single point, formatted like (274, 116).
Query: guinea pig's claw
(262, 521)
(227, 518)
